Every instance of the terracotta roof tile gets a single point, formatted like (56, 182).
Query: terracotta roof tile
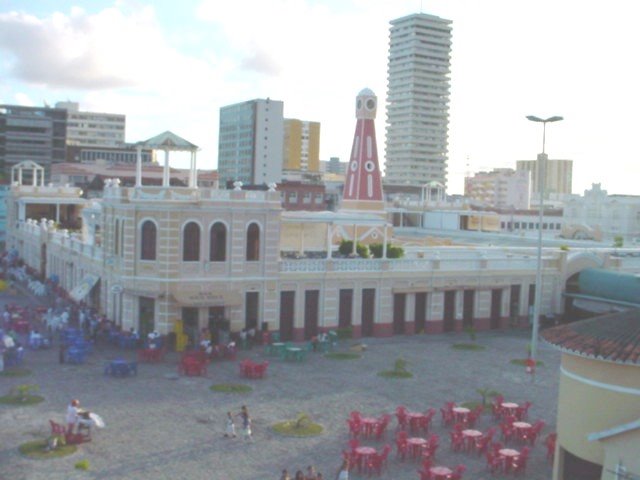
(614, 337)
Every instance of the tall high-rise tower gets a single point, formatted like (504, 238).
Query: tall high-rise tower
(418, 100)
(301, 145)
(363, 184)
(250, 142)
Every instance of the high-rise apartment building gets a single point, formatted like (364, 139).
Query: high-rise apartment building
(558, 175)
(31, 133)
(93, 129)
(418, 100)
(250, 142)
(500, 188)
(301, 149)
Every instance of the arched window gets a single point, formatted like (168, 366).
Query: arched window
(148, 241)
(253, 242)
(191, 242)
(218, 242)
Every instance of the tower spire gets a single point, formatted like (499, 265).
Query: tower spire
(363, 183)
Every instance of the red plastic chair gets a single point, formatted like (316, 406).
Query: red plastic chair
(401, 415)
(447, 416)
(458, 471)
(57, 429)
(507, 431)
(481, 444)
(401, 448)
(519, 463)
(353, 444)
(259, 370)
(457, 441)
(378, 461)
(425, 422)
(354, 427)
(523, 410)
(494, 462)
(550, 443)
(380, 429)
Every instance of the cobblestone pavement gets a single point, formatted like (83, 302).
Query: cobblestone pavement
(161, 426)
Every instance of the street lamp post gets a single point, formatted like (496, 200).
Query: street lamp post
(542, 160)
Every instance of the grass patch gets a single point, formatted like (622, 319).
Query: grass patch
(523, 361)
(300, 427)
(26, 400)
(231, 388)
(36, 449)
(15, 372)
(343, 355)
(82, 465)
(395, 374)
(468, 346)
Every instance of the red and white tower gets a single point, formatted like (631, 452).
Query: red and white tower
(363, 185)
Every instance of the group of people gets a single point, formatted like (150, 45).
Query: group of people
(313, 474)
(245, 419)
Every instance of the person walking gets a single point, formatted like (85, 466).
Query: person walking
(230, 430)
(343, 471)
(246, 423)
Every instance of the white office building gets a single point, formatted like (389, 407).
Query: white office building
(418, 100)
(250, 143)
(92, 129)
(500, 188)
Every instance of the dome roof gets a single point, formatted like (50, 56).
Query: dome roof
(366, 92)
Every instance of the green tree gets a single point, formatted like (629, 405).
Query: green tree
(618, 241)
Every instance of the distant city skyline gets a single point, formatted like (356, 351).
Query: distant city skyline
(172, 67)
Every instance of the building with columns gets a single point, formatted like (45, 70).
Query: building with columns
(157, 256)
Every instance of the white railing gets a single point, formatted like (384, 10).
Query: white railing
(436, 261)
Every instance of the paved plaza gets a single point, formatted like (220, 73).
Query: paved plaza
(160, 426)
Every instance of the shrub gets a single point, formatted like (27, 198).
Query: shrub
(302, 426)
(346, 248)
(486, 392)
(399, 370)
(392, 250)
(344, 333)
(23, 392)
(471, 331)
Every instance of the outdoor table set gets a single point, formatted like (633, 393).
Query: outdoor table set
(193, 364)
(151, 354)
(120, 368)
(251, 369)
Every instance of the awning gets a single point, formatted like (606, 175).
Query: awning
(196, 296)
(82, 289)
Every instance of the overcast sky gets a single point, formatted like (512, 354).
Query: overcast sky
(171, 65)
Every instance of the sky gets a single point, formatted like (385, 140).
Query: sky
(171, 65)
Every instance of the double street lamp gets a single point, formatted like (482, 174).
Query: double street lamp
(542, 160)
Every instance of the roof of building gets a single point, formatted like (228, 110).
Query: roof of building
(601, 283)
(617, 430)
(614, 337)
(169, 141)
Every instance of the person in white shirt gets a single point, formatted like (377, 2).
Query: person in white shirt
(73, 415)
(77, 417)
